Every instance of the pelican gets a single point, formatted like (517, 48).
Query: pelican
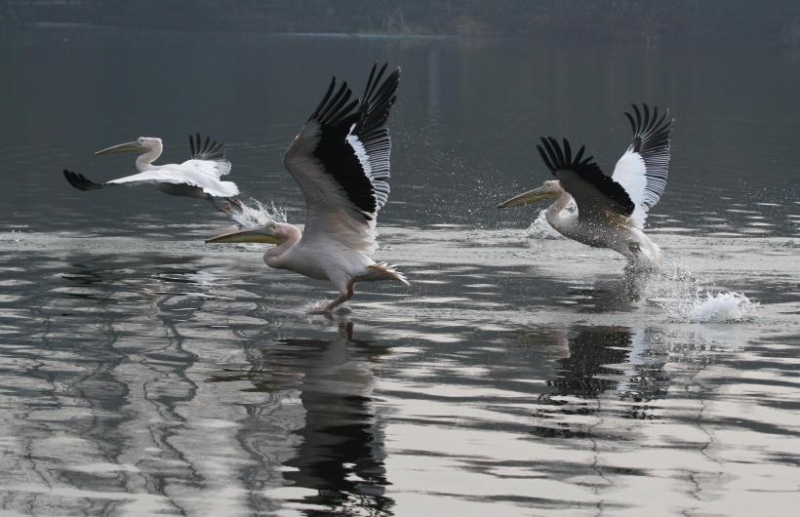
(198, 177)
(611, 210)
(340, 160)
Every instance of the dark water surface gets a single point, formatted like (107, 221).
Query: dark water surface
(145, 373)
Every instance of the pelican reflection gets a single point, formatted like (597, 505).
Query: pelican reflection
(340, 453)
(613, 293)
(595, 366)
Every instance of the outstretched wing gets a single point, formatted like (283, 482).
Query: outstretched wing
(643, 169)
(202, 172)
(594, 192)
(167, 174)
(340, 160)
(208, 157)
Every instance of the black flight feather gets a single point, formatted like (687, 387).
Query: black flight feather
(206, 150)
(340, 117)
(81, 182)
(559, 161)
(651, 141)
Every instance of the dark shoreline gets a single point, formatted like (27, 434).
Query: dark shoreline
(634, 21)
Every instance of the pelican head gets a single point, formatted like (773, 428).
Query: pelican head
(271, 233)
(550, 189)
(143, 144)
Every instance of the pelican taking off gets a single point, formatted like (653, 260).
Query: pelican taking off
(611, 209)
(340, 160)
(198, 177)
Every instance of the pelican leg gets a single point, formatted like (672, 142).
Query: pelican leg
(223, 206)
(338, 301)
(235, 202)
(231, 205)
(226, 205)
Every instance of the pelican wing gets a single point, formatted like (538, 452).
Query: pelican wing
(208, 157)
(642, 170)
(595, 193)
(170, 174)
(340, 160)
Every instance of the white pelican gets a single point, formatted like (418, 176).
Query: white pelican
(611, 210)
(198, 177)
(340, 160)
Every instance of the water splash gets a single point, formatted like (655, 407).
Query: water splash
(678, 273)
(255, 213)
(685, 301)
(728, 306)
(720, 307)
(541, 229)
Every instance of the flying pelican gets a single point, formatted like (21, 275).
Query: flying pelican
(611, 210)
(340, 160)
(198, 177)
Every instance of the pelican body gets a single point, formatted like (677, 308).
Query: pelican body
(611, 209)
(340, 160)
(198, 177)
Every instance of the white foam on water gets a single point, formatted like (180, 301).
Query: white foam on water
(710, 307)
(685, 301)
(722, 307)
(255, 213)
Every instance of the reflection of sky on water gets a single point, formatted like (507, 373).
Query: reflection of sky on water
(157, 380)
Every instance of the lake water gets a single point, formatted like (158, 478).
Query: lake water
(143, 372)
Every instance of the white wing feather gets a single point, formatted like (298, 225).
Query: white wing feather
(631, 173)
(340, 160)
(643, 169)
(216, 168)
(329, 213)
(180, 175)
(207, 156)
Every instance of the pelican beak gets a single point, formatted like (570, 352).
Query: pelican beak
(531, 196)
(258, 234)
(127, 147)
